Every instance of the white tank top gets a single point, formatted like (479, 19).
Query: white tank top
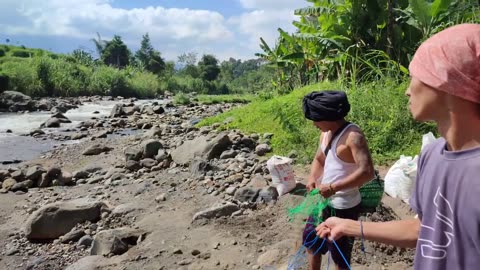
(336, 169)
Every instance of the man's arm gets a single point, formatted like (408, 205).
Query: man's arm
(401, 233)
(318, 163)
(361, 155)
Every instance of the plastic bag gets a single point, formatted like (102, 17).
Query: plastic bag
(283, 178)
(400, 178)
(427, 139)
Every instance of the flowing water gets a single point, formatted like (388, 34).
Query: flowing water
(15, 146)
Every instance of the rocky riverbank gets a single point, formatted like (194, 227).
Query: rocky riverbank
(145, 189)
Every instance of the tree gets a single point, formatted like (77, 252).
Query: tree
(187, 59)
(82, 57)
(116, 53)
(208, 66)
(99, 45)
(148, 57)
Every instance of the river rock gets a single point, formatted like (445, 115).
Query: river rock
(86, 241)
(158, 109)
(199, 167)
(4, 174)
(54, 220)
(22, 186)
(8, 184)
(150, 148)
(133, 165)
(51, 123)
(18, 175)
(262, 149)
(96, 150)
(228, 154)
(87, 263)
(148, 162)
(81, 174)
(133, 153)
(203, 146)
(36, 132)
(117, 111)
(216, 211)
(153, 132)
(34, 173)
(116, 241)
(15, 101)
(246, 194)
(72, 236)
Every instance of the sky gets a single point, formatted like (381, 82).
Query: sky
(224, 28)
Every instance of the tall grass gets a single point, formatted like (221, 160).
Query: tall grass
(215, 99)
(45, 76)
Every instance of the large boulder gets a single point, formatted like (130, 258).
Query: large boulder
(203, 147)
(116, 241)
(54, 220)
(15, 101)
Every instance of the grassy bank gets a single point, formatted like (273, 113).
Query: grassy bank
(40, 73)
(184, 99)
(379, 108)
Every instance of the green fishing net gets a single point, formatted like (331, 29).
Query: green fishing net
(310, 209)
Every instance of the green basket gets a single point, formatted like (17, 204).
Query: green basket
(372, 193)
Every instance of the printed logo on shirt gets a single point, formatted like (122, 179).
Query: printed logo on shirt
(437, 249)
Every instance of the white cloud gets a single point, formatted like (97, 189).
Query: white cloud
(273, 4)
(265, 19)
(173, 31)
(81, 18)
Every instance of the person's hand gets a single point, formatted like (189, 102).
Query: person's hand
(333, 228)
(311, 184)
(325, 190)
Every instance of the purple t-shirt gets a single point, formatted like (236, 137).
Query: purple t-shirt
(446, 198)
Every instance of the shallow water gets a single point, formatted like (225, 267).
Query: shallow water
(16, 147)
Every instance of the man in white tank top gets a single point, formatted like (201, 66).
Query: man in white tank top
(341, 165)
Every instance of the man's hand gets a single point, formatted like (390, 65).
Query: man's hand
(311, 185)
(326, 190)
(333, 228)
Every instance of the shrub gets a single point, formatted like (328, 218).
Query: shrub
(144, 84)
(181, 99)
(21, 53)
(22, 77)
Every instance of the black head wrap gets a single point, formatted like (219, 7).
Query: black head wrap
(328, 105)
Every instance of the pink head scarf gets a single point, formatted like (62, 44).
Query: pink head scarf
(449, 61)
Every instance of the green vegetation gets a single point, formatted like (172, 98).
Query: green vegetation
(184, 99)
(119, 72)
(379, 108)
(332, 35)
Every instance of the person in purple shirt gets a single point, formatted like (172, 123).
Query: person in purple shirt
(445, 89)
